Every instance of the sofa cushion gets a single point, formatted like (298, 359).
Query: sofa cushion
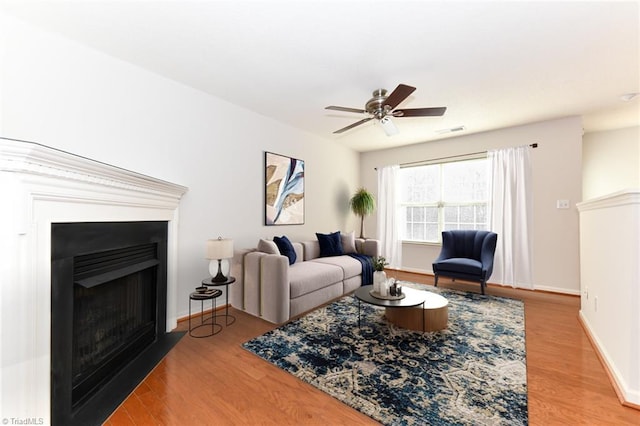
(348, 242)
(311, 249)
(268, 246)
(299, 251)
(330, 244)
(350, 267)
(306, 277)
(286, 248)
(307, 302)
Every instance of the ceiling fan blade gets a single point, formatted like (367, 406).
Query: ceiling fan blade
(351, 126)
(419, 112)
(345, 109)
(401, 93)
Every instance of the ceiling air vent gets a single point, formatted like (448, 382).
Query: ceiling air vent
(451, 130)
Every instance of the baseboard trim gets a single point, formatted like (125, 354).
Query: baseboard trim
(556, 290)
(607, 368)
(537, 288)
(195, 315)
(412, 270)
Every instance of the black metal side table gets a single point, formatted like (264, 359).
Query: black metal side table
(208, 295)
(229, 319)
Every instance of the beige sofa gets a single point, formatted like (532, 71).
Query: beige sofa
(268, 287)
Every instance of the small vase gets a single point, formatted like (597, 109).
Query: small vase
(379, 278)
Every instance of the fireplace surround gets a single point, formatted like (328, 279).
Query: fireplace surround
(108, 296)
(43, 187)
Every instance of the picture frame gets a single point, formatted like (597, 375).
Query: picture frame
(284, 190)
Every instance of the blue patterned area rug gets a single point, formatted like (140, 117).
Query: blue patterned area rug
(472, 373)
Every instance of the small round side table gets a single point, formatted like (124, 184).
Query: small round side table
(229, 319)
(210, 295)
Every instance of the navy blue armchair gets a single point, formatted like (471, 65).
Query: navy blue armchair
(467, 255)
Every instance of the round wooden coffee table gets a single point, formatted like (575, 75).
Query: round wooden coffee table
(413, 298)
(433, 315)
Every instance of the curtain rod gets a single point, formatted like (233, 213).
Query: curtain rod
(533, 145)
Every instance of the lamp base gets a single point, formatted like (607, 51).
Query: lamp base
(219, 277)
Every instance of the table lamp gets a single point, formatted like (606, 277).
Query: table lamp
(217, 250)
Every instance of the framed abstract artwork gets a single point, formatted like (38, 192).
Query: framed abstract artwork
(284, 190)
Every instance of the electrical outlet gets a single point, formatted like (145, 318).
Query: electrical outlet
(595, 304)
(586, 293)
(562, 204)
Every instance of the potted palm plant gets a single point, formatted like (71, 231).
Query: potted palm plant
(362, 204)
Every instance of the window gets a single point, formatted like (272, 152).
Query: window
(443, 196)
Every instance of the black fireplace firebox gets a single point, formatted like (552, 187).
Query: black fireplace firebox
(108, 314)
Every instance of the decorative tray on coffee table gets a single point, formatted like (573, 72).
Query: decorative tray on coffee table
(377, 295)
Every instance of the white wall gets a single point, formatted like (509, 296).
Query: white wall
(610, 247)
(610, 161)
(64, 95)
(557, 174)
(610, 303)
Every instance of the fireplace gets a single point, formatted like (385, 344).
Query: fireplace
(52, 193)
(108, 306)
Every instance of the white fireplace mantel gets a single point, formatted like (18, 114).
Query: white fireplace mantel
(41, 186)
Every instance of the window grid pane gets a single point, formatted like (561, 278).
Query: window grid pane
(465, 216)
(421, 222)
(444, 196)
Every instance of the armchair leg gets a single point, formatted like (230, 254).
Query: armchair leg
(436, 283)
(482, 286)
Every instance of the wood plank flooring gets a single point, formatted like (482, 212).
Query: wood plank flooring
(214, 381)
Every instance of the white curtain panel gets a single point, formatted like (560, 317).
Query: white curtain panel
(511, 213)
(389, 217)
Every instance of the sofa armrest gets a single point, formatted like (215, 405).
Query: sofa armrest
(275, 292)
(249, 288)
(370, 247)
(236, 290)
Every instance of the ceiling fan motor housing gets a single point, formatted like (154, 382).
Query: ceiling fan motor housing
(375, 106)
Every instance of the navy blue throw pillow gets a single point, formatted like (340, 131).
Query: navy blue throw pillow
(330, 244)
(286, 248)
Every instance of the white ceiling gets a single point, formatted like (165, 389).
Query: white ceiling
(493, 64)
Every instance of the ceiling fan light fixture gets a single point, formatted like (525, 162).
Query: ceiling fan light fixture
(388, 126)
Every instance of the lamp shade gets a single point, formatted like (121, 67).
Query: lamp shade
(222, 248)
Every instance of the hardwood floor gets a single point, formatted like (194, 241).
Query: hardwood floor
(214, 381)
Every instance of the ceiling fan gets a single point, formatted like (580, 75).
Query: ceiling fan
(381, 107)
